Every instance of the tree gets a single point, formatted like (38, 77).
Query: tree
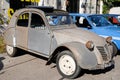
(1, 19)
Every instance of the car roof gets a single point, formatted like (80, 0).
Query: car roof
(49, 10)
(111, 14)
(78, 14)
(58, 12)
(85, 15)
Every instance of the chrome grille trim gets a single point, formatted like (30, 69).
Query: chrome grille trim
(103, 52)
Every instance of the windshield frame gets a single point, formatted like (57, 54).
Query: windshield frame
(59, 18)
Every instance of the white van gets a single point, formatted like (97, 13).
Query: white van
(114, 10)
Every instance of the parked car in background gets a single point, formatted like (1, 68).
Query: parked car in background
(60, 41)
(113, 18)
(114, 10)
(100, 25)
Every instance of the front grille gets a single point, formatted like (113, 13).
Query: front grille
(103, 53)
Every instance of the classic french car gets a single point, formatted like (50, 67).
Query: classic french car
(53, 35)
(98, 24)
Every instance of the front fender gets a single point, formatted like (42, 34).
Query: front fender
(84, 57)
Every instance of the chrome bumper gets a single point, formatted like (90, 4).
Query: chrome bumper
(103, 66)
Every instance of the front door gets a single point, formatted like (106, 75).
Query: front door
(22, 30)
(39, 37)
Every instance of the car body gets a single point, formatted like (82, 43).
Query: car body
(71, 48)
(98, 24)
(113, 18)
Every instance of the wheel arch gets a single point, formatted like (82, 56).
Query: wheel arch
(80, 53)
(115, 48)
(116, 45)
(53, 56)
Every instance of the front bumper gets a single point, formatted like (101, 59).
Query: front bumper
(103, 66)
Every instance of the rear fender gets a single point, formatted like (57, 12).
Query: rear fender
(9, 36)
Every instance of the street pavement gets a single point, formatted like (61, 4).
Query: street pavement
(33, 67)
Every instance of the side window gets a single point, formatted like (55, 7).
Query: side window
(23, 20)
(110, 19)
(37, 21)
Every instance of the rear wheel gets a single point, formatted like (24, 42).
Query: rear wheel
(67, 65)
(11, 51)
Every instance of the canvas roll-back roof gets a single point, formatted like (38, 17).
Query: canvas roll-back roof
(49, 10)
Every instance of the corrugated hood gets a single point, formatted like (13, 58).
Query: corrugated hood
(77, 35)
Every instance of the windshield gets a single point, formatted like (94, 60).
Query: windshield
(99, 21)
(55, 20)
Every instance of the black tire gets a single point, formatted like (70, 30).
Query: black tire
(11, 51)
(67, 65)
(115, 49)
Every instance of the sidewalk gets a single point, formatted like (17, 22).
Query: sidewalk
(31, 67)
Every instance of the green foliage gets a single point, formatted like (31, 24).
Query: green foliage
(1, 20)
(105, 9)
(2, 45)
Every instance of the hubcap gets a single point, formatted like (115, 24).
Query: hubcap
(9, 49)
(67, 64)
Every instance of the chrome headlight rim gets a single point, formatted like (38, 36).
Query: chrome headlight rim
(109, 39)
(90, 45)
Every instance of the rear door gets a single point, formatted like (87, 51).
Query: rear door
(39, 37)
(22, 30)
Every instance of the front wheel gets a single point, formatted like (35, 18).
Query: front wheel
(11, 51)
(67, 65)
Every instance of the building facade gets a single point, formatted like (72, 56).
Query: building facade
(8, 7)
(79, 6)
(4, 6)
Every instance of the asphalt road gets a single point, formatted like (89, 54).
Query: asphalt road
(33, 67)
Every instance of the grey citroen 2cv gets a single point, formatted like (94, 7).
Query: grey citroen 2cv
(54, 36)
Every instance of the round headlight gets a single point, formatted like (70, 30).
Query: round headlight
(90, 45)
(108, 39)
